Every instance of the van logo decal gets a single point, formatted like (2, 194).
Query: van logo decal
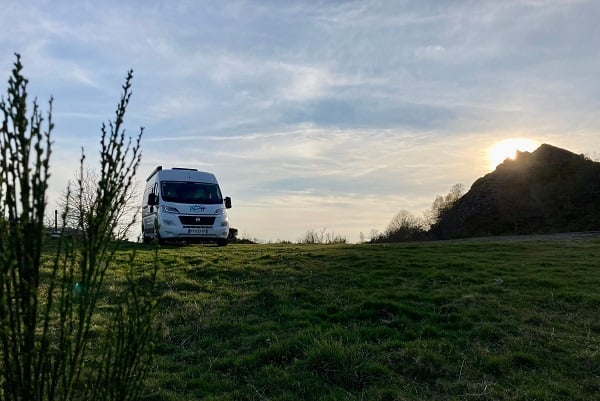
(197, 208)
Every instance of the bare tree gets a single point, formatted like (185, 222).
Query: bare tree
(404, 226)
(79, 198)
(456, 192)
(441, 204)
(404, 220)
(313, 237)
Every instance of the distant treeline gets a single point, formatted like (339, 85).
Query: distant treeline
(405, 226)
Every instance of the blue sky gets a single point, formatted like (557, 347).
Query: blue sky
(314, 115)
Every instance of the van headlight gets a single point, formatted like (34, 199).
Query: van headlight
(169, 209)
(220, 211)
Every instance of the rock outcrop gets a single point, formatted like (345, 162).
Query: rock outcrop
(545, 191)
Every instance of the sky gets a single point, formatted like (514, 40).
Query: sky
(313, 115)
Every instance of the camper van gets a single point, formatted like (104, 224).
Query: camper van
(183, 204)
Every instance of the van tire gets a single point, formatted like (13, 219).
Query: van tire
(145, 238)
(222, 242)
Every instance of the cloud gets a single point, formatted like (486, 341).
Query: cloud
(325, 108)
(430, 51)
(329, 161)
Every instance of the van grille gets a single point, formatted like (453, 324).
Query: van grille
(197, 220)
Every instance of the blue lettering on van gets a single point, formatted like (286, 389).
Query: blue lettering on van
(197, 208)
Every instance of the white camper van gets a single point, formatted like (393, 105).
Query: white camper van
(184, 204)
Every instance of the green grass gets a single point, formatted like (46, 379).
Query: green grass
(430, 321)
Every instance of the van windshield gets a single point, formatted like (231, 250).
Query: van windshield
(191, 192)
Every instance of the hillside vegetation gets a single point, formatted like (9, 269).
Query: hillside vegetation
(428, 321)
(545, 191)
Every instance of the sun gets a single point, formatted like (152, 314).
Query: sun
(507, 149)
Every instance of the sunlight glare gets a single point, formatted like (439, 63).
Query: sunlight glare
(507, 149)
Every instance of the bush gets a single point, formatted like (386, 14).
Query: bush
(48, 308)
(313, 237)
(403, 227)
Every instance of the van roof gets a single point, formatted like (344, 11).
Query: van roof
(186, 175)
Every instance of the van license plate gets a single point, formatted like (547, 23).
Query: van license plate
(198, 231)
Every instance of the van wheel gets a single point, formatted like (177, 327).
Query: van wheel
(222, 242)
(145, 238)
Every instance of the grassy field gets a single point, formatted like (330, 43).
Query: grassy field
(430, 321)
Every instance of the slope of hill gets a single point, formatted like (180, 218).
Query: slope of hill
(548, 190)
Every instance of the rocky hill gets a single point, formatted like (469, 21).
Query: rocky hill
(545, 191)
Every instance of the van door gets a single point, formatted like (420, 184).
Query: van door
(149, 213)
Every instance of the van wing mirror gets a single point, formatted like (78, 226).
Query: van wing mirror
(152, 199)
(227, 202)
